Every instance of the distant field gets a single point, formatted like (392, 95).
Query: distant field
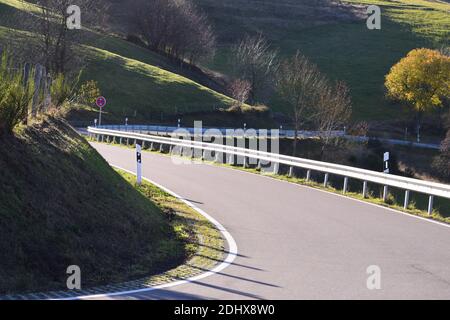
(342, 47)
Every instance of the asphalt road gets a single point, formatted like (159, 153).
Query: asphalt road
(296, 242)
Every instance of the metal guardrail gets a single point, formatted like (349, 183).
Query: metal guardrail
(283, 133)
(432, 189)
(157, 129)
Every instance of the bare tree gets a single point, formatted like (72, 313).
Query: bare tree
(334, 109)
(255, 62)
(56, 42)
(301, 85)
(175, 27)
(154, 20)
(239, 90)
(201, 38)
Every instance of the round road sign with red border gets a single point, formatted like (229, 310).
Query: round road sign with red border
(100, 102)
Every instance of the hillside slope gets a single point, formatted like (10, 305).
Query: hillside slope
(337, 40)
(61, 204)
(136, 82)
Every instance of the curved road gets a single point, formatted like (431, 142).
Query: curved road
(296, 242)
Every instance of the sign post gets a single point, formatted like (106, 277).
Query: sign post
(139, 164)
(100, 102)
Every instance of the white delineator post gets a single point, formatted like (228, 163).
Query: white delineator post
(386, 158)
(139, 164)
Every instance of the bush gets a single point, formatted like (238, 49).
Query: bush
(62, 90)
(88, 93)
(441, 163)
(359, 129)
(15, 95)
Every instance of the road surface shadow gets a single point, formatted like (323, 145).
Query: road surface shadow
(159, 294)
(237, 277)
(232, 263)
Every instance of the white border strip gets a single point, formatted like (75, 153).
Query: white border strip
(232, 252)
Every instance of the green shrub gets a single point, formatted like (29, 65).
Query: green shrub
(15, 95)
(88, 93)
(63, 90)
(390, 199)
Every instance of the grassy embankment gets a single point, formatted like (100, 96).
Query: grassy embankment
(61, 204)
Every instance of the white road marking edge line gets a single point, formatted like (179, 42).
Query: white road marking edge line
(232, 251)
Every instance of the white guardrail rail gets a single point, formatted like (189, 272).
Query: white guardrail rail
(157, 130)
(431, 189)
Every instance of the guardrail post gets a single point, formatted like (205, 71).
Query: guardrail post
(160, 147)
(344, 190)
(365, 189)
(406, 203)
(385, 193)
(218, 157)
(231, 160)
(291, 172)
(203, 154)
(128, 141)
(170, 149)
(430, 205)
(276, 168)
(308, 175)
(325, 179)
(258, 165)
(245, 165)
(120, 140)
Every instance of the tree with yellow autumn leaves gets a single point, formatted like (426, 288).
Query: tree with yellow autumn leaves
(421, 79)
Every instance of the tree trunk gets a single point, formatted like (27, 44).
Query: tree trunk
(294, 148)
(419, 120)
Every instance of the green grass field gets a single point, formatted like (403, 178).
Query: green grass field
(344, 50)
